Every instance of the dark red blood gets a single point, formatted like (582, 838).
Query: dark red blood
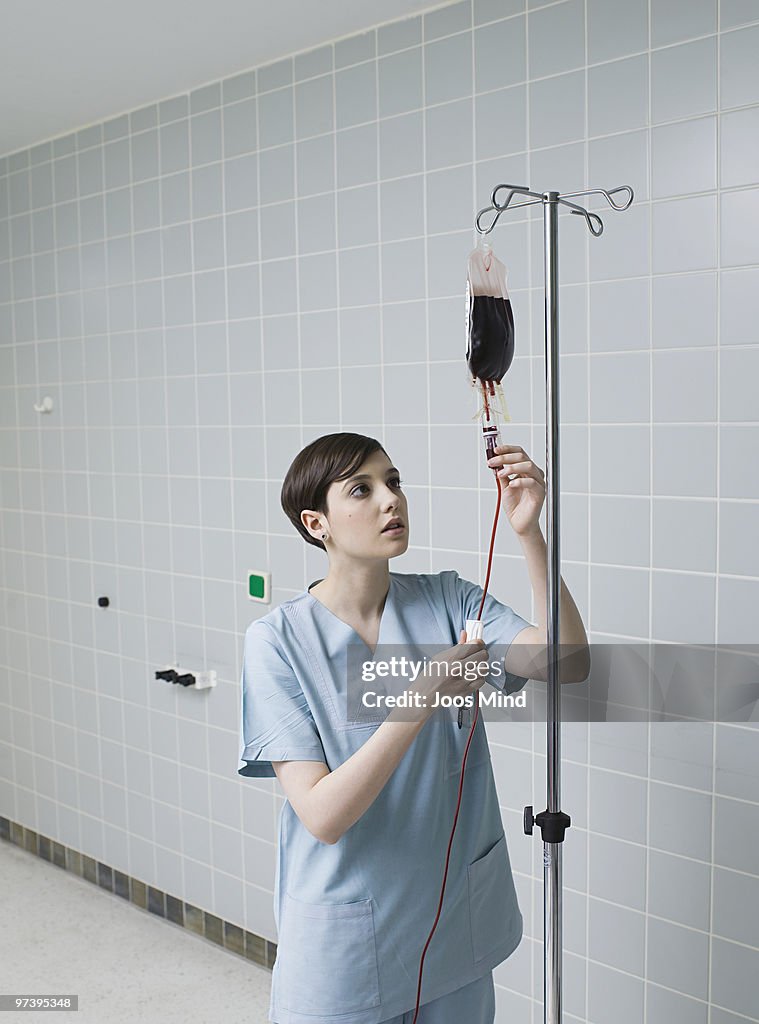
(490, 346)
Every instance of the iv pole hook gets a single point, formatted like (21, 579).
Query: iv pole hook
(594, 222)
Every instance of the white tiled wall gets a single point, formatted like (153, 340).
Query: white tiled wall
(205, 285)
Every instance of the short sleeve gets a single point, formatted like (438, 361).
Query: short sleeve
(500, 624)
(276, 722)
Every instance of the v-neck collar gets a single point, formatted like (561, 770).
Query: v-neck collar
(383, 616)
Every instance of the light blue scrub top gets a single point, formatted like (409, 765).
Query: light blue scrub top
(353, 917)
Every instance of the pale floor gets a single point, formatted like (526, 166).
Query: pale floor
(60, 934)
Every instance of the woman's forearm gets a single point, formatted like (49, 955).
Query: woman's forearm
(571, 624)
(340, 798)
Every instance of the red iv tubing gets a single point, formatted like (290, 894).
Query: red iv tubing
(490, 434)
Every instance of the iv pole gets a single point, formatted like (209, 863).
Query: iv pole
(552, 822)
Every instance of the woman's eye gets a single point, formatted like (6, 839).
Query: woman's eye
(396, 480)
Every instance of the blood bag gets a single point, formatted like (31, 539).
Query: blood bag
(490, 327)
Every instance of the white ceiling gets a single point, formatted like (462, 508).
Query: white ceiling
(66, 64)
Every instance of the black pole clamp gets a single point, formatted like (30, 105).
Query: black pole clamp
(553, 824)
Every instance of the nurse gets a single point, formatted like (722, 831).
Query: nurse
(364, 831)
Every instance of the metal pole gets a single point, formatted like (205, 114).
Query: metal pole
(552, 852)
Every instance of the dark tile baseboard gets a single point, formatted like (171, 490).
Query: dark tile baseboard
(225, 934)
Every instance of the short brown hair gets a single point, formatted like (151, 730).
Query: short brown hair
(328, 458)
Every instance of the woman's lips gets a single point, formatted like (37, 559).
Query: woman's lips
(395, 529)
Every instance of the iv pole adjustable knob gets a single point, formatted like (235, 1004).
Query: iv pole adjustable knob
(528, 820)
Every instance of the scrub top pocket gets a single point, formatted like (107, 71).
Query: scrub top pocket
(339, 937)
(456, 740)
(492, 898)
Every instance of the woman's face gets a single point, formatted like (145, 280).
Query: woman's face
(359, 509)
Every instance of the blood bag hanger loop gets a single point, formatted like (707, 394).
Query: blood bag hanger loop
(591, 219)
(487, 251)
